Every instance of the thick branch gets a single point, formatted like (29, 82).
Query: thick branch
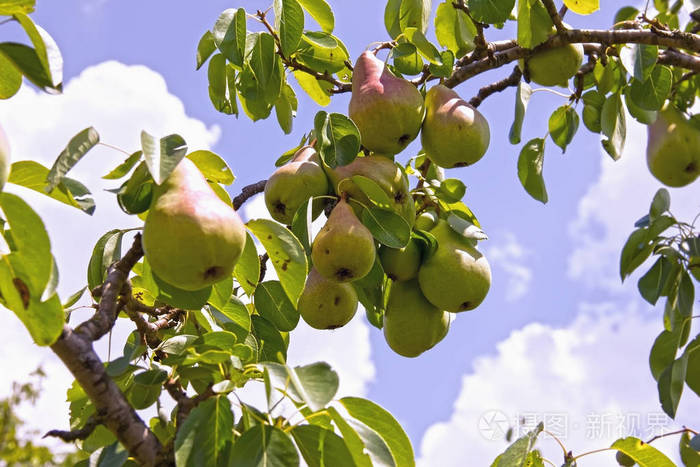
(498, 86)
(248, 192)
(149, 330)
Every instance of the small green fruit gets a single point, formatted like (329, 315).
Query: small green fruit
(673, 148)
(457, 276)
(343, 250)
(554, 67)
(326, 304)
(293, 183)
(401, 264)
(454, 134)
(412, 324)
(4, 159)
(191, 238)
(387, 110)
(426, 220)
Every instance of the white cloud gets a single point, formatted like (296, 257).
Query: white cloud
(510, 256)
(592, 375)
(606, 214)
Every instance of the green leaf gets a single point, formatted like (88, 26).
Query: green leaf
(264, 446)
(321, 447)
(626, 13)
(286, 108)
(107, 250)
(318, 91)
(273, 304)
(670, 385)
(660, 204)
(384, 425)
(370, 292)
(646, 117)
(146, 388)
(230, 35)
(222, 85)
(522, 98)
(201, 438)
(286, 255)
(534, 23)
(46, 50)
(122, 169)
(414, 14)
(26, 60)
(374, 192)
(643, 454)
(451, 190)
(205, 48)
(663, 352)
(161, 157)
(491, 11)
(361, 454)
(651, 284)
(177, 345)
(689, 455)
(454, 30)
(178, 298)
(416, 37)
(613, 126)
(686, 295)
(212, 166)
(639, 59)
(692, 376)
(77, 147)
(26, 271)
(445, 70)
(321, 12)
(563, 125)
(391, 18)
(247, 269)
(407, 60)
(592, 107)
(530, 163)
(134, 196)
(338, 138)
(516, 455)
(637, 249)
(273, 347)
(260, 82)
(32, 175)
(582, 7)
(652, 93)
(11, 7)
(10, 78)
(73, 299)
(289, 21)
(221, 293)
(322, 52)
(609, 77)
(315, 384)
(387, 226)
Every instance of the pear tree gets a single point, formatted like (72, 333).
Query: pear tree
(398, 238)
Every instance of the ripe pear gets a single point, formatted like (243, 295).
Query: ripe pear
(191, 238)
(673, 148)
(326, 304)
(454, 134)
(387, 110)
(344, 249)
(426, 220)
(554, 67)
(4, 159)
(385, 173)
(401, 264)
(457, 276)
(412, 324)
(293, 183)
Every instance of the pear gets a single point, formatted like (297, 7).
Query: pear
(457, 276)
(554, 67)
(426, 220)
(4, 159)
(673, 149)
(387, 110)
(401, 264)
(385, 173)
(412, 324)
(293, 183)
(191, 238)
(454, 134)
(343, 250)
(326, 304)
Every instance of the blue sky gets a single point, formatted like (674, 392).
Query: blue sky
(556, 323)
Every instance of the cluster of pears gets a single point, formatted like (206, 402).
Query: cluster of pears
(191, 237)
(4, 159)
(673, 149)
(390, 112)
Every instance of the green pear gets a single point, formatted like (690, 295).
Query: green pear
(387, 110)
(673, 148)
(293, 183)
(412, 324)
(426, 220)
(191, 238)
(343, 250)
(554, 67)
(4, 159)
(385, 173)
(326, 304)
(401, 264)
(457, 276)
(454, 134)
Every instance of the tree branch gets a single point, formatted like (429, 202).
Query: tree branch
(185, 404)
(248, 192)
(498, 86)
(81, 433)
(554, 14)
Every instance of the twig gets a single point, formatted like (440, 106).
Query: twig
(248, 192)
(81, 433)
(185, 404)
(554, 15)
(263, 266)
(498, 86)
